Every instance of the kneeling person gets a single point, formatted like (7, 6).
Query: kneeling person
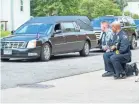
(120, 54)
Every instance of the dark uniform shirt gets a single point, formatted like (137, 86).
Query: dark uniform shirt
(122, 42)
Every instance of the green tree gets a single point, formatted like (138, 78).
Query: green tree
(121, 3)
(45, 7)
(95, 8)
(58, 7)
(135, 16)
(70, 7)
(90, 8)
(127, 13)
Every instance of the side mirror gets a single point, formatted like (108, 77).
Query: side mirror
(12, 31)
(58, 32)
(122, 24)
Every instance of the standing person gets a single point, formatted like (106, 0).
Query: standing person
(106, 36)
(120, 54)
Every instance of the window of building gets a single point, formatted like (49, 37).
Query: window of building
(21, 5)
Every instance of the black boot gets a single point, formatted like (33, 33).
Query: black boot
(136, 70)
(120, 76)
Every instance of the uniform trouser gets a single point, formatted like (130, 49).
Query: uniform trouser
(114, 62)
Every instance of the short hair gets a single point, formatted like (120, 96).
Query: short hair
(116, 23)
(105, 22)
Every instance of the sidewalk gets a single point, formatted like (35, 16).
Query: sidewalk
(84, 88)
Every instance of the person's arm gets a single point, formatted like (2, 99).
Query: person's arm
(110, 38)
(124, 44)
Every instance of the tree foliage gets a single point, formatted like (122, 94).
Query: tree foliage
(93, 8)
(90, 8)
(121, 3)
(135, 16)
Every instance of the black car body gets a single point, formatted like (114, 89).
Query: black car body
(127, 24)
(42, 37)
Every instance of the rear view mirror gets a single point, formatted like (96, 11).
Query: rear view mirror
(12, 31)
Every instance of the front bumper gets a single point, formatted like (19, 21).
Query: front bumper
(22, 53)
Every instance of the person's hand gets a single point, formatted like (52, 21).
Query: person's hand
(113, 47)
(104, 48)
(108, 50)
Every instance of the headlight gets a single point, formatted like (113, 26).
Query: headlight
(31, 44)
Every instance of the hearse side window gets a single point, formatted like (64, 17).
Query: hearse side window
(68, 27)
(83, 25)
(57, 27)
(77, 27)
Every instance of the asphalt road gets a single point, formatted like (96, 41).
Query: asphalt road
(20, 72)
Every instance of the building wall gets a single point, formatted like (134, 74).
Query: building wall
(10, 11)
(21, 16)
(133, 7)
(5, 12)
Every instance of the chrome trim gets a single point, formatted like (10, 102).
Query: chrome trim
(69, 42)
(13, 44)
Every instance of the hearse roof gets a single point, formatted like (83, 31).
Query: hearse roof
(56, 19)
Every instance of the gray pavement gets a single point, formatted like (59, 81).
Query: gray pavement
(24, 77)
(18, 72)
(84, 88)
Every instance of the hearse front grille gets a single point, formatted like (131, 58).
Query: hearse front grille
(13, 44)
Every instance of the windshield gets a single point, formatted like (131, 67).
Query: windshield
(97, 22)
(35, 28)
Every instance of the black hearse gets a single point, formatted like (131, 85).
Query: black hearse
(42, 37)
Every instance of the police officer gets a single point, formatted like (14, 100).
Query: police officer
(106, 36)
(120, 53)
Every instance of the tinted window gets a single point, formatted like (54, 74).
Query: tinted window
(57, 27)
(137, 22)
(33, 29)
(126, 23)
(77, 27)
(97, 22)
(68, 27)
(83, 25)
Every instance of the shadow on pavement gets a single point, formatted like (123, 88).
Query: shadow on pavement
(58, 57)
(36, 86)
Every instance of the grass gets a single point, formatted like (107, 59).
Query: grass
(4, 33)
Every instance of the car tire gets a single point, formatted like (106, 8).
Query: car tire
(3, 60)
(45, 52)
(133, 42)
(85, 50)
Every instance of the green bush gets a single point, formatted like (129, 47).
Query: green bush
(4, 33)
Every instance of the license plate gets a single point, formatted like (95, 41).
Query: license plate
(7, 52)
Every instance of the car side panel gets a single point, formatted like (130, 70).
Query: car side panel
(93, 39)
(58, 43)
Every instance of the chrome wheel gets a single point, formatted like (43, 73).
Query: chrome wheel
(134, 42)
(86, 48)
(46, 52)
